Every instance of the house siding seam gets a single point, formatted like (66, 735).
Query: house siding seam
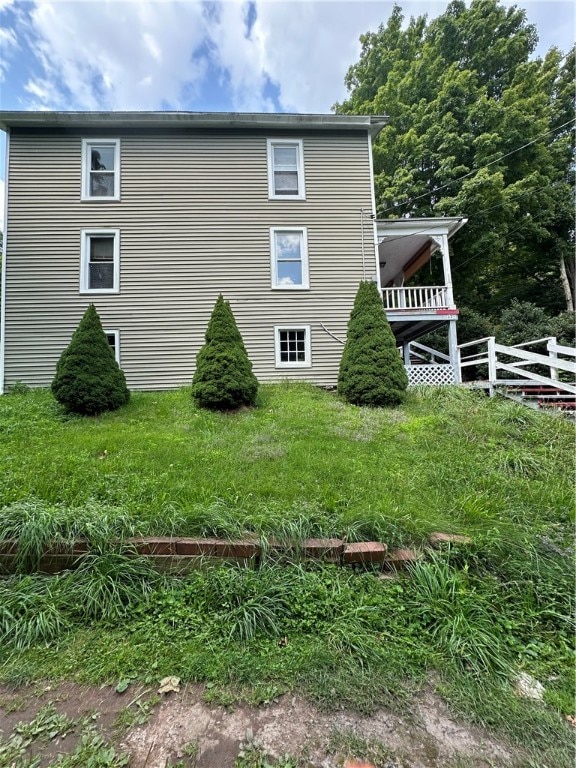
(194, 221)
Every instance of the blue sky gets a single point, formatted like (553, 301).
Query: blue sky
(266, 55)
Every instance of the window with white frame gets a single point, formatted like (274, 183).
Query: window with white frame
(101, 169)
(113, 338)
(100, 261)
(289, 250)
(286, 170)
(292, 346)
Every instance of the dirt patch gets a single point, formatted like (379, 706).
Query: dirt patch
(429, 738)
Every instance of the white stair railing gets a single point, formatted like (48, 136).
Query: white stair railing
(554, 360)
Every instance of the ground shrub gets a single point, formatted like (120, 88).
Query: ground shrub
(522, 321)
(371, 370)
(88, 379)
(223, 379)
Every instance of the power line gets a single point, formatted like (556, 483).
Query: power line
(475, 170)
(442, 221)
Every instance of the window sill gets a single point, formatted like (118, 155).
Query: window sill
(286, 198)
(290, 287)
(93, 292)
(100, 200)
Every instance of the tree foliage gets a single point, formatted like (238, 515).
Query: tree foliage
(371, 370)
(223, 379)
(463, 95)
(88, 379)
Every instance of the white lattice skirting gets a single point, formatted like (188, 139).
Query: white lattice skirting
(433, 375)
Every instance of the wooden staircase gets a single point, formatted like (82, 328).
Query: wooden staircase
(544, 379)
(541, 398)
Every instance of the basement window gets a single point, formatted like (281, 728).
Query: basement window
(292, 346)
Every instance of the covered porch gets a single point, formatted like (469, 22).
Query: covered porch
(405, 246)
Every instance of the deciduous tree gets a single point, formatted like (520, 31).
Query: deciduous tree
(463, 96)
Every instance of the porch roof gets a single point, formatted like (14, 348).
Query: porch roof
(405, 245)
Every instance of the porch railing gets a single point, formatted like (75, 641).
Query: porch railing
(498, 358)
(423, 297)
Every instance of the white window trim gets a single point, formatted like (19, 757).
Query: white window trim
(86, 168)
(305, 285)
(307, 348)
(300, 169)
(86, 234)
(116, 335)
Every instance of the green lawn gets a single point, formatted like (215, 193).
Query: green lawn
(448, 460)
(303, 463)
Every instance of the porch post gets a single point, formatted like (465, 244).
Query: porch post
(453, 351)
(442, 240)
(406, 353)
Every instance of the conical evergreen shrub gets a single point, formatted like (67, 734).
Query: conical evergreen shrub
(88, 379)
(371, 370)
(223, 379)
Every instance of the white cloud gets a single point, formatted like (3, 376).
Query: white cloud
(115, 55)
(241, 59)
(8, 46)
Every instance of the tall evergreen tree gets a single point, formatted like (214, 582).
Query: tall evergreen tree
(371, 370)
(88, 379)
(463, 95)
(223, 379)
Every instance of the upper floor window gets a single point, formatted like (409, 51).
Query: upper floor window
(286, 170)
(101, 169)
(100, 261)
(289, 257)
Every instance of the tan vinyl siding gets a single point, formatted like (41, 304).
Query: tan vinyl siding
(194, 221)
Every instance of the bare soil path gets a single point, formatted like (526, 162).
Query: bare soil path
(182, 729)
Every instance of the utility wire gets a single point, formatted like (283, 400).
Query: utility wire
(475, 170)
(442, 221)
(532, 218)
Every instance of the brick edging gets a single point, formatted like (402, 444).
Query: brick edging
(181, 553)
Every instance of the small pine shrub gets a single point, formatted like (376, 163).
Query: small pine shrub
(88, 379)
(223, 379)
(371, 370)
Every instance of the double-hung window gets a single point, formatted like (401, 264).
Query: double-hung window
(292, 346)
(100, 261)
(289, 250)
(101, 169)
(285, 170)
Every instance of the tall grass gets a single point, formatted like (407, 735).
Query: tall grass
(460, 618)
(31, 611)
(39, 527)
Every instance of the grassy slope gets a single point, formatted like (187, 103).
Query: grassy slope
(448, 460)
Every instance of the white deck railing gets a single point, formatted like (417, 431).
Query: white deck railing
(491, 354)
(424, 297)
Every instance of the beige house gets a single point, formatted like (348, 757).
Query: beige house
(151, 215)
